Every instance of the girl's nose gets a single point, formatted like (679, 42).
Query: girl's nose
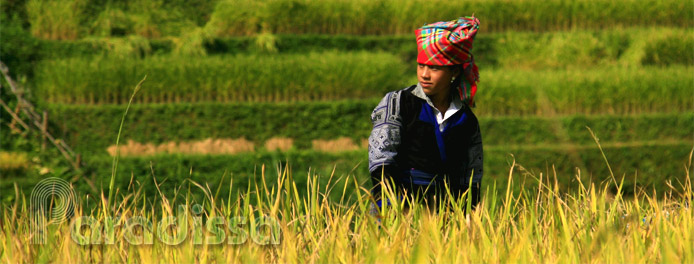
(425, 72)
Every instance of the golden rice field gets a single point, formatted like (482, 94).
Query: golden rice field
(276, 224)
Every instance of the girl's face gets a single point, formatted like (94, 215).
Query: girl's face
(435, 80)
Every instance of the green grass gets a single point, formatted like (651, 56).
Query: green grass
(256, 77)
(578, 49)
(157, 19)
(563, 49)
(649, 165)
(600, 90)
(70, 20)
(56, 19)
(304, 122)
(332, 75)
(387, 17)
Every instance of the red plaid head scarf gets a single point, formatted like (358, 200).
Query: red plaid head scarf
(449, 43)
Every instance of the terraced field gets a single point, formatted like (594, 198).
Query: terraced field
(234, 101)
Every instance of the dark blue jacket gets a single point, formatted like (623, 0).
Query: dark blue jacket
(406, 142)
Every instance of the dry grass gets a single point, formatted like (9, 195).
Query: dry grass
(13, 160)
(335, 145)
(364, 143)
(591, 225)
(232, 146)
(206, 146)
(279, 144)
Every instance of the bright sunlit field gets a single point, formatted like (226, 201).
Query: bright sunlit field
(247, 142)
(278, 225)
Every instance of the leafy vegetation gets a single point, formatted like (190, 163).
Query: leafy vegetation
(331, 75)
(574, 49)
(314, 76)
(155, 19)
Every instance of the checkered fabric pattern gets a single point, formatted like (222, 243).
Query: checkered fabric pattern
(450, 43)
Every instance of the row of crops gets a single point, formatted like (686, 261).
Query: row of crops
(400, 17)
(514, 65)
(67, 19)
(652, 45)
(304, 122)
(651, 147)
(347, 76)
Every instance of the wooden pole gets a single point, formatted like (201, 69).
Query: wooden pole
(41, 123)
(34, 117)
(14, 121)
(15, 117)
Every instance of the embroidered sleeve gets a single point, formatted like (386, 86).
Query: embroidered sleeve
(475, 156)
(385, 136)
